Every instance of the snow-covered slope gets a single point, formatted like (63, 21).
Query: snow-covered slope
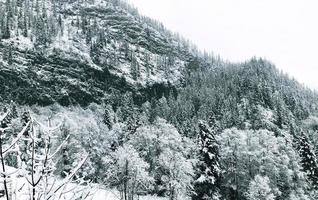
(76, 51)
(19, 190)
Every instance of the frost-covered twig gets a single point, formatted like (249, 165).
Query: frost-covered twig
(16, 139)
(4, 152)
(69, 177)
(2, 117)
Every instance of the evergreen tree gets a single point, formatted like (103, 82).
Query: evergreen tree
(135, 73)
(133, 123)
(40, 31)
(308, 159)
(108, 116)
(9, 9)
(24, 147)
(25, 25)
(206, 185)
(152, 113)
(65, 161)
(6, 32)
(9, 55)
(60, 24)
(147, 64)
(20, 19)
(89, 35)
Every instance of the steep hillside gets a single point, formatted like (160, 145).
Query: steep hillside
(74, 51)
(150, 113)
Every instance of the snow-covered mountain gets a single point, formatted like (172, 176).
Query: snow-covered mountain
(150, 114)
(75, 51)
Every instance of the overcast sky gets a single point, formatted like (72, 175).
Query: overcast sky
(283, 31)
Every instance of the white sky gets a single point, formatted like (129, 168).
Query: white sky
(283, 31)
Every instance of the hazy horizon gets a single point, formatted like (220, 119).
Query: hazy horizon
(283, 31)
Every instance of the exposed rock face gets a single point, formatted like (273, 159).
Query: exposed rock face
(76, 51)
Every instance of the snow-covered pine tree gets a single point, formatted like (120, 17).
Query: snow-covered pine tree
(134, 71)
(133, 123)
(23, 156)
(206, 186)
(66, 164)
(9, 56)
(308, 159)
(6, 33)
(108, 117)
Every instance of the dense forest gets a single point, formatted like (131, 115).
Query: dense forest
(93, 93)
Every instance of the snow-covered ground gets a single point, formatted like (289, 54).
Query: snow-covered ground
(114, 195)
(97, 194)
(19, 189)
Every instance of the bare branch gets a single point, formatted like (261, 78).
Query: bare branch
(16, 139)
(69, 177)
(2, 117)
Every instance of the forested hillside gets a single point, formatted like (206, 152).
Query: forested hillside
(78, 50)
(154, 115)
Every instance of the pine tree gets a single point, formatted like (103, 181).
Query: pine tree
(308, 159)
(24, 157)
(9, 55)
(84, 23)
(133, 123)
(147, 64)
(153, 114)
(20, 19)
(60, 24)
(40, 31)
(65, 159)
(89, 35)
(6, 32)
(9, 9)
(208, 175)
(108, 118)
(135, 73)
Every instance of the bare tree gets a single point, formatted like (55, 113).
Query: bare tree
(39, 174)
(5, 149)
(38, 169)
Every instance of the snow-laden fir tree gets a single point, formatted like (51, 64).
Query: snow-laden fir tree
(308, 159)
(206, 185)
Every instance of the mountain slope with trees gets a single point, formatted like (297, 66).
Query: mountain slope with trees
(65, 50)
(155, 115)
